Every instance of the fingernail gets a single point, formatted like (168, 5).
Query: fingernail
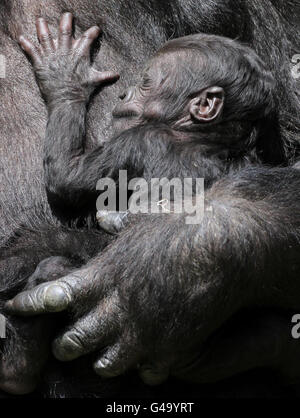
(113, 75)
(56, 298)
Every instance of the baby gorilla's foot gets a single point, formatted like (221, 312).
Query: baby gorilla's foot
(50, 269)
(62, 65)
(28, 342)
(112, 222)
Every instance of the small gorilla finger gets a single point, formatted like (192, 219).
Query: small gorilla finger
(100, 77)
(154, 374)
(65, 31)
(31, 50)
(83, 44)
(117, 359)
(44, 36)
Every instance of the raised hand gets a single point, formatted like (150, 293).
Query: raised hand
(63, 65)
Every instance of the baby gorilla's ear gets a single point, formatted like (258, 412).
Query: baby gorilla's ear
(208, 105)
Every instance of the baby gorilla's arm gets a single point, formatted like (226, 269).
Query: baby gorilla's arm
(66, 79)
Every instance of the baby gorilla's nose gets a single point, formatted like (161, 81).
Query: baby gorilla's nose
(128, 95)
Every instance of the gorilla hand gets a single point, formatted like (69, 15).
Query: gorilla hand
(62, 65)
(155, 302)
(138, 305)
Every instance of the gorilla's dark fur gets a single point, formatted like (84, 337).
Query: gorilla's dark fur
(29, 231)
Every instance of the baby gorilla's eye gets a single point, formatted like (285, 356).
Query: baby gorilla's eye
(146, 82)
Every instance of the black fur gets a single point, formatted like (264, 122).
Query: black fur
(262, 203)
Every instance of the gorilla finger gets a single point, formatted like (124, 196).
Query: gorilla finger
(48, 297)
(65, 31)
(91, 332)
(44, 36)
(117, 360)
(100, 77)
(84, 337)
(82, 46)
(154, 374)
(31, 50)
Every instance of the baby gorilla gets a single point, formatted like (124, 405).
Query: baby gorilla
(204, 93)
(201, 109)
(204, 102)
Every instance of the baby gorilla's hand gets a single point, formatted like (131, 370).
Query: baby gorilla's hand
(62, 66)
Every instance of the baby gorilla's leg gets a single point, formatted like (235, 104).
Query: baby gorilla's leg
(28, 343)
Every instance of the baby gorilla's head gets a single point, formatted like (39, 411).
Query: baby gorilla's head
(196, 82)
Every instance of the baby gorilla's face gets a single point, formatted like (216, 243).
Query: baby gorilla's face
(143, 101)
(167, 94)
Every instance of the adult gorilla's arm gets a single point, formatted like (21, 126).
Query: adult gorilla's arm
(157, 301)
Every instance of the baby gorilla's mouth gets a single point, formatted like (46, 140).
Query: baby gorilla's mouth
(124, 112)
(124, 118)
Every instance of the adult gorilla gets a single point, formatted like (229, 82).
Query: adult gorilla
(254, 259)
